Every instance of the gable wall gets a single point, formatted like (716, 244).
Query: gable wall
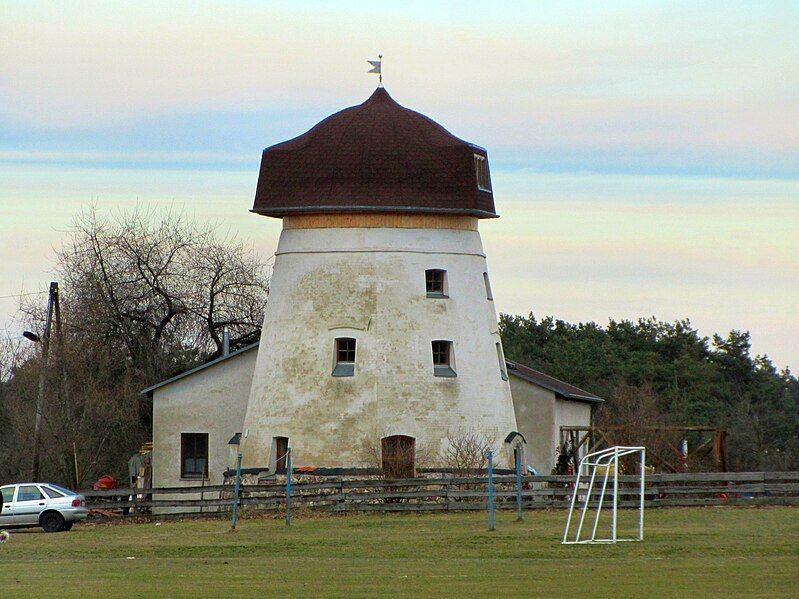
(569, 413)
(539, 416)
(213, 401)
(534, 407)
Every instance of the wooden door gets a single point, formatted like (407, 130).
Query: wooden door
(281, 449)
(399, 456)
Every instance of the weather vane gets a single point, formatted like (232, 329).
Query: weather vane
(377, 67)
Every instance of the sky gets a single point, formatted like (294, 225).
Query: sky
(644, 156)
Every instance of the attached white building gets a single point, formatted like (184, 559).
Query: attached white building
(198, 415)
(380, 335)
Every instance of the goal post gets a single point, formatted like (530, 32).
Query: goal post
(595, 473)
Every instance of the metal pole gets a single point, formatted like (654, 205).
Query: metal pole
(601, 499)
(589, 492)
(37, 428)
(236, 488)
(518, 453)
(288, 487)
(62, 369)
(615, 489)
(572, 502)
(641, 510)
(490, 490)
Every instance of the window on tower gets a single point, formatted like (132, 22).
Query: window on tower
(443, 360)
(481, 171)
(344, 364)
(436, 282)
(489, 295)
(503, 371)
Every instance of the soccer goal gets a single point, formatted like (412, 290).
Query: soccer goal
(596, 472)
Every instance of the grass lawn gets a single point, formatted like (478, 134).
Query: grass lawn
(699, 552)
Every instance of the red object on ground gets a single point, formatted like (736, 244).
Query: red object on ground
(105, 482)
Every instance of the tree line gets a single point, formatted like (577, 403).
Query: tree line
(654, 373)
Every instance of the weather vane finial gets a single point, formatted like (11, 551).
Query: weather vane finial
(377, 67)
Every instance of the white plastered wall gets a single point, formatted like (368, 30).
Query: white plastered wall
(569, 413)
(369, 283)
(539, 415)
(212, 400)
(535, 413)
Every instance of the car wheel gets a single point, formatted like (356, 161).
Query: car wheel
(52, 522)
(68, 526)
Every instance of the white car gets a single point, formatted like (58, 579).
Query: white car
(47, 505)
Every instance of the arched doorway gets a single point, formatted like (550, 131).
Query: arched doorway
(398, 456)
(281, 449)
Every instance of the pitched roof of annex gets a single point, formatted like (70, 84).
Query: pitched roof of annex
(560, 388)
(377, 156)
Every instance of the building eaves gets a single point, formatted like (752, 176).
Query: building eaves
(560, 388)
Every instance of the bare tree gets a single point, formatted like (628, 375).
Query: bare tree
(369, 452)
(21, 364)
(143, 295)
(466, 452)
(634, 408)
(159, 286)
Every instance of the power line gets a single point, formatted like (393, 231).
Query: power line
(22, 294)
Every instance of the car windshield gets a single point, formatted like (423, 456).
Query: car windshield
(62, 489)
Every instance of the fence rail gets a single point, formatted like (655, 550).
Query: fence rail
(455, 493)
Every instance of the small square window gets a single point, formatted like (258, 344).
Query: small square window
(443, 359)
(194, 455)
(436, 282)
(345, 357)
(481, 172)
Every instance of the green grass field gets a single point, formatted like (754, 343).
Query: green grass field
(688, 553)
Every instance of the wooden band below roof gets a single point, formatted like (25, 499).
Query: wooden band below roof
(391, 220)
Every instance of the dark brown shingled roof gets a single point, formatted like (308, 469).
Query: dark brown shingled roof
(374, 157)
(560, 388)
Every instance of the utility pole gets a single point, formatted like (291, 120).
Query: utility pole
(63, 395)
(52, 300)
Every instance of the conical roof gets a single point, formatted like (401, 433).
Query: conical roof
(377, 156)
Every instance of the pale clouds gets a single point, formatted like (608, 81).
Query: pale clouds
(650, 87)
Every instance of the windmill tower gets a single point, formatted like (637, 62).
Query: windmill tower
(380, 331)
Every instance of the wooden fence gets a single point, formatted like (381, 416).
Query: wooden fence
(455, 493)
